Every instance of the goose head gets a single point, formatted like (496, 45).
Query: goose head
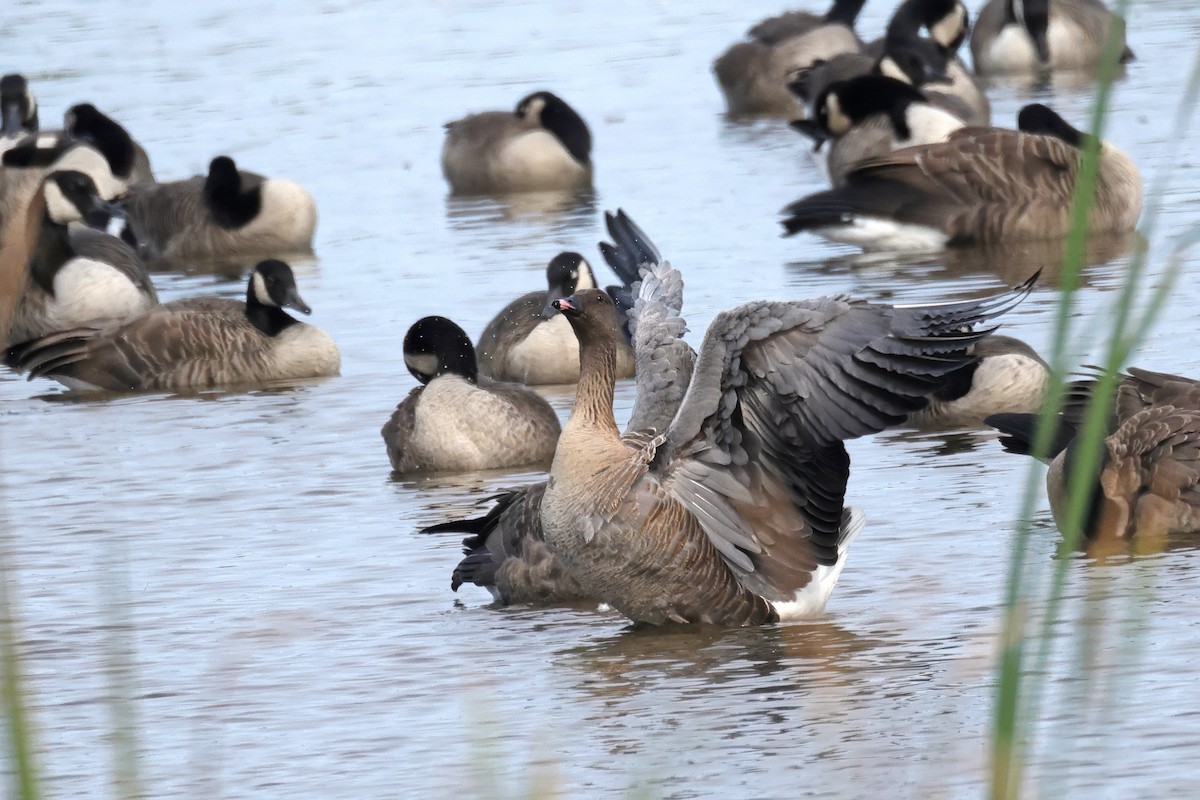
(844, 105)
(83, 122)
(272, 284)
(592, 314)
(435, 346)
(566, 274)
(552, 113)
(234, 198)
(1043, 120)
(18, 107)
(917, 62)
(71, 196)
(946, 20)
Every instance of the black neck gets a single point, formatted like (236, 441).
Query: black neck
(844, 12)
(569, 128)
(53, 249)
(271, 320)
(230, 206)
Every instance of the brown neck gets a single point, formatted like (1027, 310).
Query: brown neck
(597, 378)
(20, 233)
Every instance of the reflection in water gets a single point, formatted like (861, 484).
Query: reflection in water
(1044, 85)
(559, 210)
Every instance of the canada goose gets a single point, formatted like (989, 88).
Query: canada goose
(506, 551)
(18, 110)
(543, 145)
(947, 22)
(528, 342)
(871, 116)
(1148, 479)
(197, 343)
(982, 185)
(734, 514)
(754, 75)
(90, 142)
(457, 420)
(226, 214)
(1026, 36)
(72, 274)
(1004, 375)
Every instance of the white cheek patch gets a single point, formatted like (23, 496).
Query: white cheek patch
(837, 121)
(46, 142)
(533, 111)
(586, 279)
(889, 69)
(947, 29)
(260, 290)
(422, 363)
(60, 209)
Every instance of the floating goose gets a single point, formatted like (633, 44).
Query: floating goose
(1148, 478)
(754, 75)
(543, 145)
(529, 342)
(734, 513)
(506, 551)
(226, 214)
(1004, 375)
(59, 272)
(186, 345)
(1027, 36)
(458, 420)
(980, 186)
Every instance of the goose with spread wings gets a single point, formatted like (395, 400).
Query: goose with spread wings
(734, 513)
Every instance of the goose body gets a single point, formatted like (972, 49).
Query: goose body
(458, 420)
(1148, 480)
(734, 513)
(528, 343)
(226, 214)
(980, 186)
(754, 74)
(1004, 376)
(1026, 36)
(71, 274)
(542, 146)
(192, 344)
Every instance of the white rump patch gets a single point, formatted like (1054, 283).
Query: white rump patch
(288, 216)
(810, 601)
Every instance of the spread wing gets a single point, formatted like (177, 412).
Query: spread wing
(756, 450)
(663, 360)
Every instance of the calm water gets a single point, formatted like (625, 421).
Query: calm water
(291, 635)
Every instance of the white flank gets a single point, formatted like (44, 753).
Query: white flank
(928, 124)
(288, 215)
(549, 354)
(534, 161)
(876, 233)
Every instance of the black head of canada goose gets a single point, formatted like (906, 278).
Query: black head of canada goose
(734, 513)
(75, 268)
(192, 344)
(18, 107)
(128, 160)
(754, 74)
(543, 145)
(226, 214)
(947, 23)
(458, 420)
(1029, 36)
(871, 116)
(506, 551)
(980, 186)
(1147, 481)
(529, 342)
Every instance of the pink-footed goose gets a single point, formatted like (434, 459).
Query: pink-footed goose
(1148, 480)
(671, 524)
(506, 551)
